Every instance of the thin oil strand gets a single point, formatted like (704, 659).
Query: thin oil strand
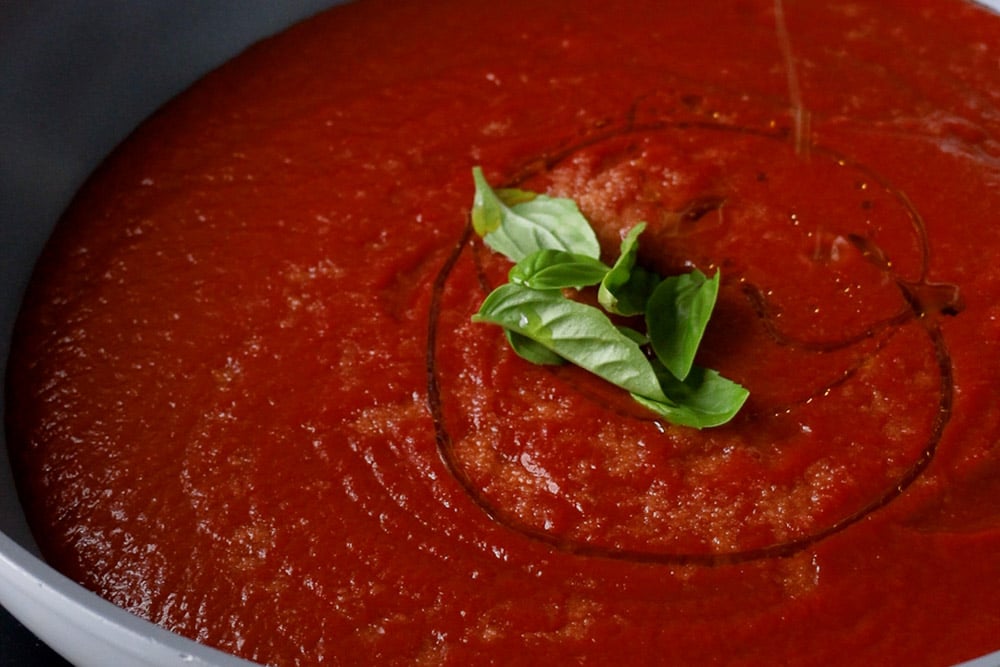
(800, 115)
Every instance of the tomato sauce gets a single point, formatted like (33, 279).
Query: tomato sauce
(248, 403)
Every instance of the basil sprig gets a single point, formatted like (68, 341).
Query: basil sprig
(554, 249)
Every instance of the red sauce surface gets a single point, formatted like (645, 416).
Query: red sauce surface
(247, 401)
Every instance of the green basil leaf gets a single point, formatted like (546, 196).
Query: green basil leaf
(702, 400)
(676, 316)
(554, 249)
(577, 332)
(514, 196)
(530, 224)
(557, 269)
(626, 287)
(630, 298)
(531, 351)
(637, 336)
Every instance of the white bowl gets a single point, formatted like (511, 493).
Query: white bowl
(75, 78)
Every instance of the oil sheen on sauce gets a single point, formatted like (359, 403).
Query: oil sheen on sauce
(248, 403)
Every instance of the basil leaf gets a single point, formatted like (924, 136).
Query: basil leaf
(530, 224)
(637, 336)
(554, 249)
(557, 269)
(531, 351)
(577, 332)
(626, 287)
(702, 400)
(514, 196)
(676, 316)
(631, 297)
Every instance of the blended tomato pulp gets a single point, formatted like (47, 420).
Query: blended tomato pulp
(248, 401)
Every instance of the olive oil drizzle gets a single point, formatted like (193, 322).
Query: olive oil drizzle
(922, 305)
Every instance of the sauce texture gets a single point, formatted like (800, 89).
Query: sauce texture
(247, 401)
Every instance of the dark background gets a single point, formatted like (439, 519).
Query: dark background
(19, 647)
